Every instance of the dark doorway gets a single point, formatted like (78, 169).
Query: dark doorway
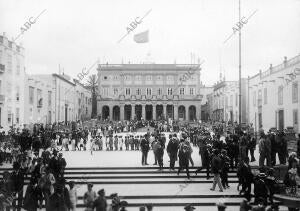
(149, 112)
(181, 113)
(280, 119)
(170, 111)
(116, 113)
(66, 113)
(159, 112)
(138, 112)
(192, 113)
(105, 112)
(127, 112)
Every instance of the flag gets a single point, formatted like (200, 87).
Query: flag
(142, 37)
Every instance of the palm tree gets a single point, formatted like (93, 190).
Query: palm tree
(92, 83)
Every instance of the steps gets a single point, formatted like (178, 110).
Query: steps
(144, 185)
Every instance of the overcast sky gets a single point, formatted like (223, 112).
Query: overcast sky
(75, 33)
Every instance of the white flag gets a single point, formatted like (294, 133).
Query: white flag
(142, 37)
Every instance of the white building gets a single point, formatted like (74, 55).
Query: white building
(71, 100)
(274, 96)
(226, 101)
(12, 73)
(83, 106)
(39, 103)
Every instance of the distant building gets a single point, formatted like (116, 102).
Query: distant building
(274, 96)
(71, 100)
(12, 78)
(206, 104)
(39, 103)
(83, 106)
(149, 91)
(226, 101)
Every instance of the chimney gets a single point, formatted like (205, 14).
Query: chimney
(285, 61)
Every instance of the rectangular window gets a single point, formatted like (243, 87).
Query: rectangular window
(159, 91)
(170, 91)
(49, 98)
(31, 95)
(149, 91)
(115, 91)
(148, 77)
(138, 91)
(280, 95)
(9, 63)
(259, 98)
(39, 98)
(17, 115)
(127, 91)
(192, 91)
(295, 117)
(265, 95)
(295, 92)
(254, 98)
(17, 93)
(9, 115)
(181, 91)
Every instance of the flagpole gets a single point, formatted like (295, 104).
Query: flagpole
(240, 68)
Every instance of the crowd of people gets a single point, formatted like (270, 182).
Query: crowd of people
(37, 155)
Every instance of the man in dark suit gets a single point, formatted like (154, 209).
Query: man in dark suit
(145, 149)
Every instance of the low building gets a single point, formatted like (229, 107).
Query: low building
(39, 103)
(83, 106)
(274, 96)
(12, 79)
(226, 101)
(206, 105)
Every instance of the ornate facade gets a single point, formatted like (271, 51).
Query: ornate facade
(149, 91)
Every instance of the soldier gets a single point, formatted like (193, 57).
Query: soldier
(145, 149)
(116, 142)
(127, 142)
(264, 149)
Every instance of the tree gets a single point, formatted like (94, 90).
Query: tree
(92, 83)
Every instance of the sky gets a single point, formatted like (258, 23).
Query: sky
(74, 34)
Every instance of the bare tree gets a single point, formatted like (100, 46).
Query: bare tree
(92, 83)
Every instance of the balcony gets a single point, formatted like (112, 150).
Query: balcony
(2, 99)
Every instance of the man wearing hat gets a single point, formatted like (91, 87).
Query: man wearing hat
(221, 206)
(189, 207)
(100, 203)
(89, 197)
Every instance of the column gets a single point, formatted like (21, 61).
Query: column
(165, 110)
(154, 111)
(187, 113)
(132, 111)
(121, 112)
(175, 112)
(198, 112)
(110, 113)
(144, 111)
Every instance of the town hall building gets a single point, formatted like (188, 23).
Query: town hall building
(149, 91)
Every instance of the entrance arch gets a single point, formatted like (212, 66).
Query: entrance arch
(105, 112)
(138, 112)
(159, 112)
(149, 112)
(116, 113)
(192, 113)
(170, 111)
(181, 113)
(127, 112)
